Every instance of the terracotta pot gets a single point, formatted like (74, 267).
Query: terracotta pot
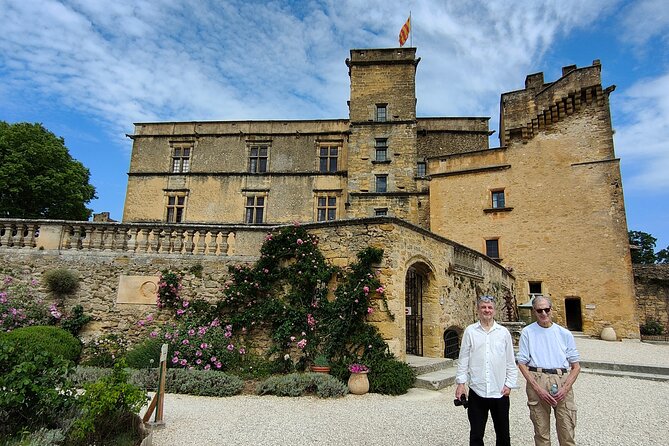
(320, 368)
(358, 384)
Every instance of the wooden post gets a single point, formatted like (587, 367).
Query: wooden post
(159, 398)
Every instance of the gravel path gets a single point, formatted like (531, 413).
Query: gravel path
(612, 410)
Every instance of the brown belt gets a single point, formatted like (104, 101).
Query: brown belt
(549, 371)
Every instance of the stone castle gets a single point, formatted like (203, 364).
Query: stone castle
(547, 204)
(541, 214)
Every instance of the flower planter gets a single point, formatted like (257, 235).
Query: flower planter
(358, 384)
(320, 368)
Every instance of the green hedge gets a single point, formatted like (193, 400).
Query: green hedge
(53, 340)
(298, 384)
(189, 382)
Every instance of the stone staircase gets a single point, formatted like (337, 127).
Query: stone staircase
(432, 373)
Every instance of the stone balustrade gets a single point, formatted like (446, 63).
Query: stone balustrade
(466, 261)
(137, 238)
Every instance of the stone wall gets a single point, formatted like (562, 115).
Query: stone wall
(652, 293)
(563, 224)
(118, 283)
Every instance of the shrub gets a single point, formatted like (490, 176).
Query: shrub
(88, 374)
(35, 387)
(108, 409)
(390, 377)
(105, 350)
(21, 306)
(61, 281)
(651, 328)
(144, 355)
(189, 382)
(202, 382)
(76, 320)
(299, 384)
(53, 340)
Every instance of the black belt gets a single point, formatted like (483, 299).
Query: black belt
(549, 371)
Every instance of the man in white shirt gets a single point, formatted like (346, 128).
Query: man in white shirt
(487, 364)
(545, 354)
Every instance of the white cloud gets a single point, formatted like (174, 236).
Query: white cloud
(642, 139)
(127, 60)
(644, 20)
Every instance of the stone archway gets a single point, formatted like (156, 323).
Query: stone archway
(416, 292)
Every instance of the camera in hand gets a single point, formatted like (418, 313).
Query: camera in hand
(462, 401)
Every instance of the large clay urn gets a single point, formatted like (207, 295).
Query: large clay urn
(358, 384)
(608, 334)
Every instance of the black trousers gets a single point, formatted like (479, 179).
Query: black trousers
(477, 412)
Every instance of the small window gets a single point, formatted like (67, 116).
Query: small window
(255, 206)
(492, 248)
(381, 147)
(421, 170)
(381, 112)
(328, 158)
(382, 212)
(175, 208)
(498, 199)
(382, 183)
(180, 159)
(327, 208)
(258, 159)
(535, 287)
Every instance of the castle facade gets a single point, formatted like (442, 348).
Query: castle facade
(547, 204)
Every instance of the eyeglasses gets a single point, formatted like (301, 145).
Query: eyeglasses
(543, 310)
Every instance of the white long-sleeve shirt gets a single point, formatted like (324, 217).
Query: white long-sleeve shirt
(486, 360)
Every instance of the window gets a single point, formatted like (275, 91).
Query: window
(328, 158)
(382, 183)
(175, 208)
(327, 208)
(381, 212)
(381, 147)
(497, 199)
(180, 159)
(381, 112)
(421, 169)
(255, 206)
(258, 159)
(535, 287)
(492, 248)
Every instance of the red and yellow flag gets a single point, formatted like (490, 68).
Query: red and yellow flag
(404, 32)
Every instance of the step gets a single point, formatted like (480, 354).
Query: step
(627, 374)
(627, 368)
(421, 364)
(436, 380)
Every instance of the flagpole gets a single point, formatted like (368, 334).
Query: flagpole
(411, 29)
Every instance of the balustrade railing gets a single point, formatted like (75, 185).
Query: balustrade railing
(111, 236)
(466, 261)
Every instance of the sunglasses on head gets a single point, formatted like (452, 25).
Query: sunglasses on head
(543, 310)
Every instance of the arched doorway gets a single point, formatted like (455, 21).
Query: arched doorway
(451, 344)
(413, 291)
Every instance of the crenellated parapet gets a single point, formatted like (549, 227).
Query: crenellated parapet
(540, 106)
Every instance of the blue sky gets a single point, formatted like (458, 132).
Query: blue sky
(89, 69)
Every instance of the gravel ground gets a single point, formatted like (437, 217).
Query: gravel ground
(611, 410)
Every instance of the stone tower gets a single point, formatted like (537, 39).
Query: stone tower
(383, 156)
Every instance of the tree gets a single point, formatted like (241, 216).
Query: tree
(645, 247)
(38, 177)
(662, 256)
